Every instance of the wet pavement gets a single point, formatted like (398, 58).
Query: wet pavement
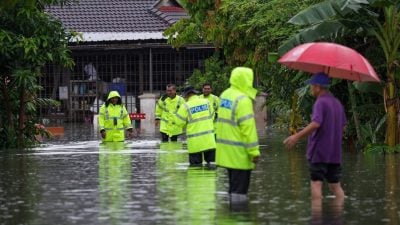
(75, 180)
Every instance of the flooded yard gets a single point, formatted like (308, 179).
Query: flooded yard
(75, 180)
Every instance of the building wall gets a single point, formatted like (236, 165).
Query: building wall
(135, 72)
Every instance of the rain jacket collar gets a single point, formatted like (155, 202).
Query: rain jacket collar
(242, 79)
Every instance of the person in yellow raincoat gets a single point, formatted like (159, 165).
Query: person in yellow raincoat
(196, 114)
(114, 119)
(213, 99)
(237, 139)
(166, 108)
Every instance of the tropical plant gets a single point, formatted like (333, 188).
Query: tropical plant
(337, 20)
(29, 39)
(245, 33)
(216, 73)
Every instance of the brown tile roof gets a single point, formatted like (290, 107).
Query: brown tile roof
(171, 14)
(116, 16)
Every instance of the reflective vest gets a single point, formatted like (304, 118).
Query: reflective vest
(197, 116)
(165, 111)
(114, 119)
(214, 103)
(237, 140)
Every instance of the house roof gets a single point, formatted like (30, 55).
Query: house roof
(110, 20)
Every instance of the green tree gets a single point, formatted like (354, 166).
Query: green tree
(29, 38)
(244, 33)
(216, 73)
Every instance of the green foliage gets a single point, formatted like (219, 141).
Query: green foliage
(29, 38)
(380, 149)
(372, 130)
(216, 73)
(372, 28)
(330, 20)
(194, 28)
(246, 32)
(363, 87)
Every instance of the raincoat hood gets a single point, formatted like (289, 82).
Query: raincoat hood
(242, 79)
(113, 94)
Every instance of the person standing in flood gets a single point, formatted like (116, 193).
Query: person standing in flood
(213, 99)
(325, 132)
(166, 108)
(197, 116)
(114, 119)
(237, 139)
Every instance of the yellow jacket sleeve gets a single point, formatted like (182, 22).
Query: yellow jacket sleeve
(159, 109)
(102, 117)
(247, 126)
(181, 116)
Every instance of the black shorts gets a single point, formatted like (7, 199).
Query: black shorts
(331, 172)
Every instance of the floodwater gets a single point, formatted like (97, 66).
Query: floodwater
(145, 182)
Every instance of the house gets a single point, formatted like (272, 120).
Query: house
(122, 48)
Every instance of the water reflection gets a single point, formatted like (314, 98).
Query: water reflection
(199, 196)
(391, 190)
(19, 190)
(145, 182)
(114, 179)
(328, 213)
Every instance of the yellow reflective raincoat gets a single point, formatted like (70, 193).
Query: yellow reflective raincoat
(237, 140)
(214, 103)
(114, 119)
(197, 116)
(165, 111)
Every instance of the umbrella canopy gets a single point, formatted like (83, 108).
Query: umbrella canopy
(335, 60)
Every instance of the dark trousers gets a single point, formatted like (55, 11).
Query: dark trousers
(165, 137)
(197, 158)
(239, 181)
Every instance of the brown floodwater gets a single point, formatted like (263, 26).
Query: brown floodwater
(76, 180)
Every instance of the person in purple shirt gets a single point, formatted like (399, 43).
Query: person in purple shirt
(324, 148)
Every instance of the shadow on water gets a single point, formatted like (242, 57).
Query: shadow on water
(76, 180)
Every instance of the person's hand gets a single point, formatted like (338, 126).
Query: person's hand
(157, 123)
(290, 141)
(103, 134)
(256, 159)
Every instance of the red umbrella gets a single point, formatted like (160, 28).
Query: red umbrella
(335, 60)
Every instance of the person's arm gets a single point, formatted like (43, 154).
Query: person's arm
(127, 122)
(180, 119)
(159, 112)
(292, 140)
(216, 108)
(317, 118)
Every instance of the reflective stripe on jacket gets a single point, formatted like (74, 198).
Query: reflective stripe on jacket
(166, 111)
(114, 119)
(214, 102)
(197, 116)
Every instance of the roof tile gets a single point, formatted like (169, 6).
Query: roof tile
(111, 16)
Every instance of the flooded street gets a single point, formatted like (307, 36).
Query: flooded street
(145, 182)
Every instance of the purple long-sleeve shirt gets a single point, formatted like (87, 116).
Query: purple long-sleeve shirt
(325, 143)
